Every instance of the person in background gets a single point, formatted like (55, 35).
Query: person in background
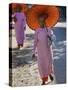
(43, 44)
(20, 26)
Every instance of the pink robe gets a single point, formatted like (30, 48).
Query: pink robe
(19, 27)
(44, 51)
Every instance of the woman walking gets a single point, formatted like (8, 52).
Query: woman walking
(43, 43)
(20, 26)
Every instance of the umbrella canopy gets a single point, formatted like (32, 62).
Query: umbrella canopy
(23, 6)
(50, 12)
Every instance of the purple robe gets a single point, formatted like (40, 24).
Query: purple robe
(20, 27)
(44, 51)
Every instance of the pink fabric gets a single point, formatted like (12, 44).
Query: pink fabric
(19, 27)
(44, 51)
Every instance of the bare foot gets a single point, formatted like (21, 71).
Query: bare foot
(44, 83)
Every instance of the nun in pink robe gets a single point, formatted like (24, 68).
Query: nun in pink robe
(20, 26)
(44, 51)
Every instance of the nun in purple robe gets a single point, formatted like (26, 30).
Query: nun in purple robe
(44, 50)
(20, 26)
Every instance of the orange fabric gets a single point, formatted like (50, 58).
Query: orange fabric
(45, 79)
(24, 7)
(13, 5)
(38, 10)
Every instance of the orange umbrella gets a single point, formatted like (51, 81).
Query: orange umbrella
(14, 6)
(24, 8)
(51, 12)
